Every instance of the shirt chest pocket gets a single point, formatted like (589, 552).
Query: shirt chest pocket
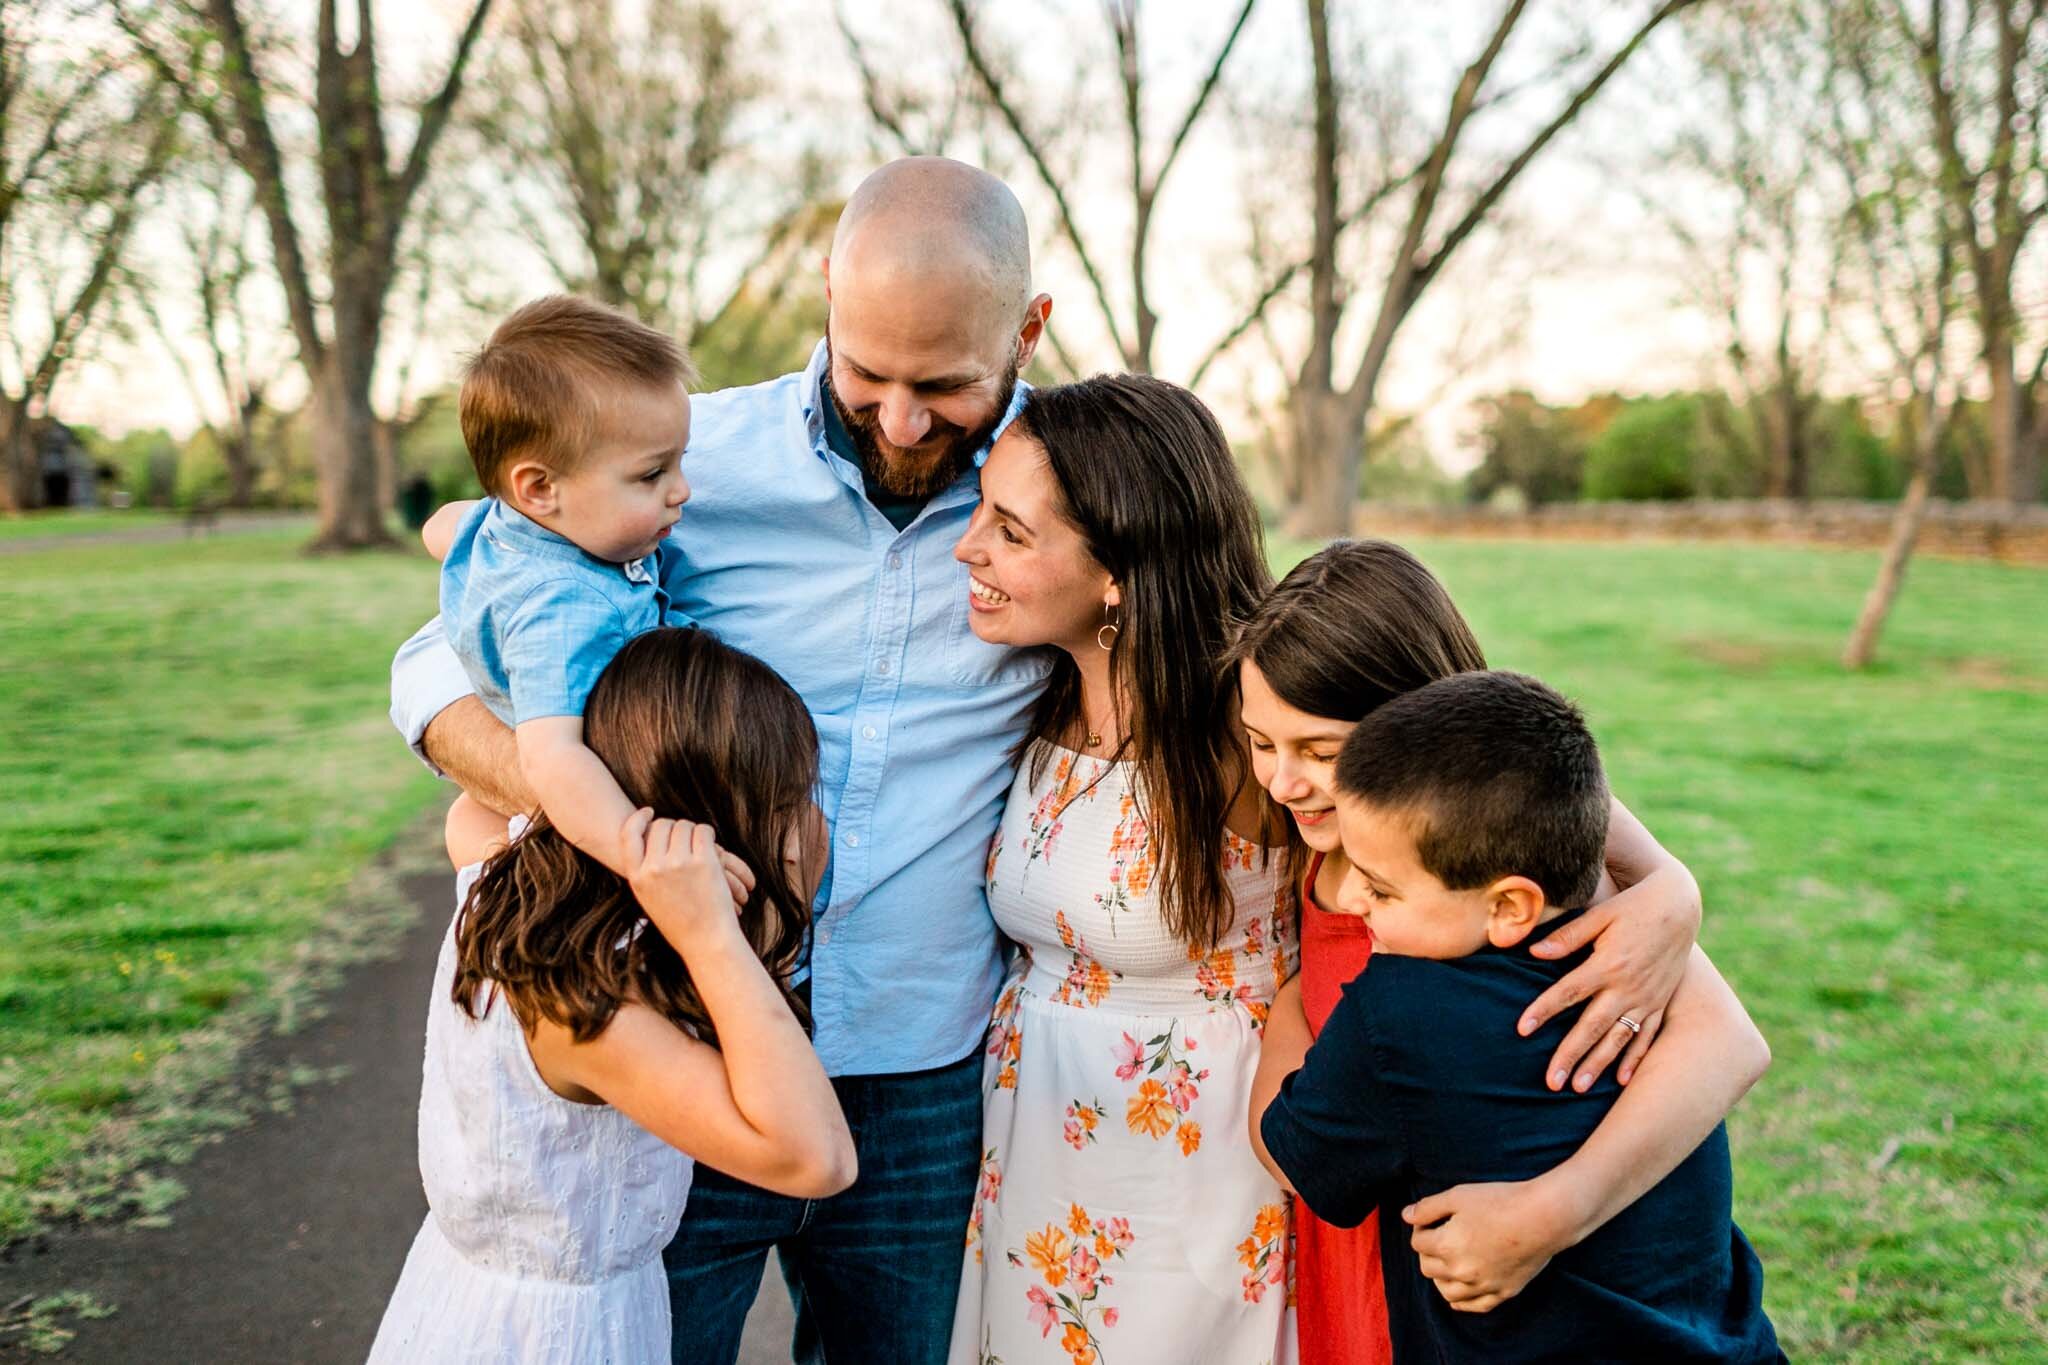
(943, 617)
(973, 662)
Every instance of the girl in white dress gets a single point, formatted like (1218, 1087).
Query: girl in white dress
(1122, 1216)
(578, 1059)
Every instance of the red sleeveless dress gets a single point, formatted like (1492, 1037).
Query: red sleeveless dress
(1341, 1301)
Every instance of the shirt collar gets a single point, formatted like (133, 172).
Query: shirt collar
(522, 534)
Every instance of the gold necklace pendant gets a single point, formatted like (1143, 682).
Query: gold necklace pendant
(1094, 740)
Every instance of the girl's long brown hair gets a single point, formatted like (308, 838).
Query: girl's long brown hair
(699, 731)
(1354, 625)
(1146, 476)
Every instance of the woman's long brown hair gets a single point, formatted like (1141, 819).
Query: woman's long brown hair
(696, 730)
(1354, 625)
(1146, 476)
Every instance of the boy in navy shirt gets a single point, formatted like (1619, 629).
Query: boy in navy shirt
(1474, 811)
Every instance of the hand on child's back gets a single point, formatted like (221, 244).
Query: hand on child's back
(678, 874)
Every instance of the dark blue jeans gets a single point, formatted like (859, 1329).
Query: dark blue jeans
(874, 1270)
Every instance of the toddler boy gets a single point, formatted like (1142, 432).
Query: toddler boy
(575, 416)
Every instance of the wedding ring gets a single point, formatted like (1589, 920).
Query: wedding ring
(1631, 1025)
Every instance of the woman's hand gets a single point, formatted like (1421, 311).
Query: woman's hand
(1642, 939)
(1481, 1244)
(677, 875)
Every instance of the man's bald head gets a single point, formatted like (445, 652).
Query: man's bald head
(932, 318)
(927, 221)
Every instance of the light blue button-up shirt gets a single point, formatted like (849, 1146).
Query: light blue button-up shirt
(783, 556)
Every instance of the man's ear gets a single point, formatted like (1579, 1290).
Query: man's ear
(1514, 906)
(1028, 336)
(530, 488)
(825, 269)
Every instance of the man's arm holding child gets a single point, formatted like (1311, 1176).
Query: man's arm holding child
(480, 754)
(1482, 1243)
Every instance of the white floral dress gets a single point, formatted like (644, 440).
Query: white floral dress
(1121, 1217)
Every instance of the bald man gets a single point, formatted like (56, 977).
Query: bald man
(819, 536)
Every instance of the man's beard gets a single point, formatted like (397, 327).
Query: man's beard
(918, 472)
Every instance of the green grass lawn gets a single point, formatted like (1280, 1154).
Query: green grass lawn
(195, 758)
(193, 741)
(1873, 852)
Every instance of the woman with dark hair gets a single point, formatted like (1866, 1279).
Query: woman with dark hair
(1351, 627)
(1121, 1214)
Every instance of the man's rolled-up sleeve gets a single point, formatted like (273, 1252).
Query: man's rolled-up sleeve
(426, 678)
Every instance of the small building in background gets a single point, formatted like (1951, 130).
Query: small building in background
(71, 476)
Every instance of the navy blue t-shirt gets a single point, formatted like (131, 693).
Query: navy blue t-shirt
(1418, 1082)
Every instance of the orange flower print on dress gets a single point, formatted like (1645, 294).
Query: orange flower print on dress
(986, 1193)
(1042, 831)
(1238, 852)
(1149, 1112)
(1169, 1090)
(1131, 860)
(1075, 1271)
(1088, 981)
(1082, 1120)
(1006, 1039)
(1048, 1253)
(1264, 1253)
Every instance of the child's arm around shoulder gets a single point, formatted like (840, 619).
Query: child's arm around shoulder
(758, 1106)
(439, 532)
(581, 797)
(1282, 1048)
(1328, 1130)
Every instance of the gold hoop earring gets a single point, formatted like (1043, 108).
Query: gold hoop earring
(1108, 627)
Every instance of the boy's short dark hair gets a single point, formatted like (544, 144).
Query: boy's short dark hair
(527, 392)
(1500, 777)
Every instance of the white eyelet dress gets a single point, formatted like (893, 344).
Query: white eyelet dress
(1122, 1218)
(547, 1218)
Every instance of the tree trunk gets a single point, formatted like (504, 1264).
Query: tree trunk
(2003, 420)
(237, 453)
(345, 458)
(1891, 572)
(21, 480)
(1327, 453)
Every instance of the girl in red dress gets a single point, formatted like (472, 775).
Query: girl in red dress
(1358, 624)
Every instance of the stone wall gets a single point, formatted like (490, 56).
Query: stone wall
(1963, 530)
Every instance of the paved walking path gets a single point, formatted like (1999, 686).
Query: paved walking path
(156, 532)
(295, 1227)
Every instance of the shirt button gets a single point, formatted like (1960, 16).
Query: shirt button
(825, 934)
(867, 732)
(853, 841)
(882, 669)
(895, 561)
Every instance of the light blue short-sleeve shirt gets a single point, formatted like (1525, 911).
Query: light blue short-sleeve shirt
(534, 618)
